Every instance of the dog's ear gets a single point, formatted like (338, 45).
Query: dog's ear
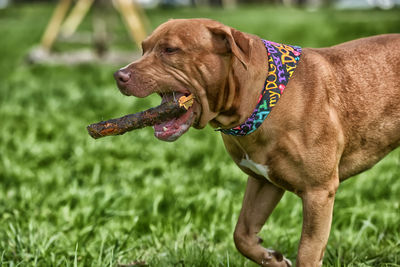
(235, 42)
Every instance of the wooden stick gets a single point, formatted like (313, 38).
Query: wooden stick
(150, 117)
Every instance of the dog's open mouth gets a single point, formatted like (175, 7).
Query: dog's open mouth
(172, 118)
(172, 129)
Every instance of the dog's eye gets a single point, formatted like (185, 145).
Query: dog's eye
(170, 50)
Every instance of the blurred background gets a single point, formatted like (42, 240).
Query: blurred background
(131, 200)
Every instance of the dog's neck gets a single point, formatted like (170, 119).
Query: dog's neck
(282, 61)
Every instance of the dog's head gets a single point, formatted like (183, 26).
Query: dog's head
(190, 56)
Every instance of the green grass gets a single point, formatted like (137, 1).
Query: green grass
(68, 200)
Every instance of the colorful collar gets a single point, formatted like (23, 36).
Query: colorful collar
(282, 60)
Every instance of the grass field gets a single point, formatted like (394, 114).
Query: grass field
(68, 200)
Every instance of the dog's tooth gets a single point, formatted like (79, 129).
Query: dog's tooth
(165, 129)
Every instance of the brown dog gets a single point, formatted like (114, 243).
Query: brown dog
(339, 115)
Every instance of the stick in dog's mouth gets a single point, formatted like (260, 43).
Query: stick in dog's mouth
(159, 115)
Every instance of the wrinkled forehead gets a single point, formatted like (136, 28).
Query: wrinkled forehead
(180, 32)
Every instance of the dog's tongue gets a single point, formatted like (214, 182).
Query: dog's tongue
(174, 128)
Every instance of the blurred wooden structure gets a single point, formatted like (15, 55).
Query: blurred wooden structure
(134, 18)
(69, 14)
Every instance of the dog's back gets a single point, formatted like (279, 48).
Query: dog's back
(367, 97)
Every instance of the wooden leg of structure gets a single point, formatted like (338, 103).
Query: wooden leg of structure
(143, 17)
(53, 27)
(133, 20)
(76, 16)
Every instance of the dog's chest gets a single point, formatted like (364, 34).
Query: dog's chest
(255, 167)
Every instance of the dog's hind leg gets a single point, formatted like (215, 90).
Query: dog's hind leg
(317, 218)
(259, 201)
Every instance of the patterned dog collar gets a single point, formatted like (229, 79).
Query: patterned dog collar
(282, 60)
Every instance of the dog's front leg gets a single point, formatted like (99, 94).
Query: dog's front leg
(317, 218)
(259, 201)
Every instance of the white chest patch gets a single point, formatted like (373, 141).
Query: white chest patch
(255, 167)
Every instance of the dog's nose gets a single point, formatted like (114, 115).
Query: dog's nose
(122, 76)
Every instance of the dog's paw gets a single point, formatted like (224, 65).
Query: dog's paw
(275, 259)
